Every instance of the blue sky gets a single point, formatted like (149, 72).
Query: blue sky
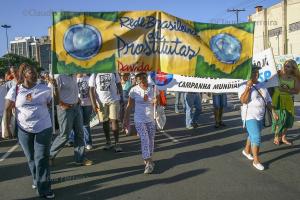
(33, 17)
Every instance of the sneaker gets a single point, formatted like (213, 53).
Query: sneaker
(118, 148)
(195, 125)
(126, 131)
(122, 131)
(89, 147)
(69, 144)
(176, 110)
(33, 186)
(222, 124)
(148, 169)
(189, 127)
(107, 146)
(49, 195)
(86, 162)
(217, 125)
(249, 156)
(258, 166)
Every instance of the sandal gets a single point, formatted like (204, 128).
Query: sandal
(276, 141)
(287, 142)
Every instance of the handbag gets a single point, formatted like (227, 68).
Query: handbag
(13, 121)
(267, 120)
(160, 117)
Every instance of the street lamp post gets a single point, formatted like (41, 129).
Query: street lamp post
(278, 44)
(6, 27)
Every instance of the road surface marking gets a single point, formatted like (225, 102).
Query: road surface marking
(9, 152)
(169, 136)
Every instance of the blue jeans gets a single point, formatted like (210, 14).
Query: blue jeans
(69, 119)
(86, 112)
(192, 100)
(179, 96)
(254, 128)
(219, 100)
(36, 147)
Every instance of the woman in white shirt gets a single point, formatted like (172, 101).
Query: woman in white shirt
(143, 97)
(253, 97)
(31, 101)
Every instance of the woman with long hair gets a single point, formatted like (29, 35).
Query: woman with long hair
(30, 101)
(289, 84)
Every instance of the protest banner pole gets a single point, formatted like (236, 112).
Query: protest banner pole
(52, 77)
(52, 96)
(155, 100)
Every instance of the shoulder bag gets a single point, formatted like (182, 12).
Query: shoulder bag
(267, 120)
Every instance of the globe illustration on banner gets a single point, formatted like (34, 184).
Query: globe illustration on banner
(82, 41)
(226, 48)
(160, 78)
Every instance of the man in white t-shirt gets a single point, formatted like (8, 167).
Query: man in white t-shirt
(69, 117)
(106, 90)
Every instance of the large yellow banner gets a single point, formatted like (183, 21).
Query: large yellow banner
(90, 42)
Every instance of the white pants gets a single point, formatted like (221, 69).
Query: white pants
(146, 132)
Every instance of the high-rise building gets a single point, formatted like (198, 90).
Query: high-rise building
(278, 27)
(22, 46)
(44, 49)
(38, 49)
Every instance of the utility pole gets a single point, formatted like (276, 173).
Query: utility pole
(6, 27)
(236, 13)
(278, 50)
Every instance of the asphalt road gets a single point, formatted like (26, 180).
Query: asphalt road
(203, 163)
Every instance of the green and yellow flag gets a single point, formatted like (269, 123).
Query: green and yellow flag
(90, 42)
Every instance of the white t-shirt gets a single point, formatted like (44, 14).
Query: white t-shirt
(83, 87)
(67, 88)
(31, 107)
(106, 86)
(10, 84)
(255, 109)
(144, 110)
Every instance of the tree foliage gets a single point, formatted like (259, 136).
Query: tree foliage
(11, 59)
